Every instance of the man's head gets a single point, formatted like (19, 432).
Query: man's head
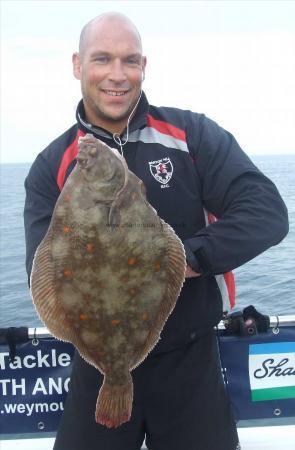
(111, 69)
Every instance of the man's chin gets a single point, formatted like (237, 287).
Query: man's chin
(115, 115)
(119, 110)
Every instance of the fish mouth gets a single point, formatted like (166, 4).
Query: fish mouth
(86, 161)
(83, 159)
(87, 150)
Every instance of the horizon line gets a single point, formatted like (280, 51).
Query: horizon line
(248, 154)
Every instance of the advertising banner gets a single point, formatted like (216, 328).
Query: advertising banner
(260, 374)
(34, 386)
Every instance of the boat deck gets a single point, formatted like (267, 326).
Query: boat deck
(260, 438)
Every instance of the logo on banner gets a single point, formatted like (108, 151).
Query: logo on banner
(272, 371)
(162, 171)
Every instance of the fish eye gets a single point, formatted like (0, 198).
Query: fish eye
(81, 159)
(93, 151)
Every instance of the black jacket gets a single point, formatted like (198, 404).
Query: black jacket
(190, 167)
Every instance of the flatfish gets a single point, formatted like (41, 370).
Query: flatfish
(108, 273)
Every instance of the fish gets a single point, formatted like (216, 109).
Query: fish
(108, 273)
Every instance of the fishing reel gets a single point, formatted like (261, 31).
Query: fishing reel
(248, 322)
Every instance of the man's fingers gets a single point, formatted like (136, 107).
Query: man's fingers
(190, 273)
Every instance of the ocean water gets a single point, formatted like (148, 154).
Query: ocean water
(267, 282)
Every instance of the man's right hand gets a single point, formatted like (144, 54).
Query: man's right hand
(190, 273)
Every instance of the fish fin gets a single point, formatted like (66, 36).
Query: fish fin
(176, 270)
(44, 295)
(176, 266)
(114, 403)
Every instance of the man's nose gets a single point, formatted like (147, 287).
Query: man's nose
(117, 72)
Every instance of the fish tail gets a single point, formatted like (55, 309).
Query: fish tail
(114, 404)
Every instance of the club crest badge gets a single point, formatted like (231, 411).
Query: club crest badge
(162, 171)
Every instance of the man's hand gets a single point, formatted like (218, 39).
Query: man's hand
(189, 273)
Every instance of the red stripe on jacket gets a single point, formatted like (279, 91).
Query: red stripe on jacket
(68, 156)
(229, 279)
(166, 128)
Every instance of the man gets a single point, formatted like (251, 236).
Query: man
(192, 169)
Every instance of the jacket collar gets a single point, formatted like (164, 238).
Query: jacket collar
(138, 121)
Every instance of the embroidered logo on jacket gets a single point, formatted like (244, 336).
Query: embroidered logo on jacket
(162, 170)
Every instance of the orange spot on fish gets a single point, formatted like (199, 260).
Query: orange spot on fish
(90, 248)
(132, 261)
(68, 273)
(66, 229)
(83, 317)
(134, 196)
(173, 259)
(115, 322)
(132, 291)
(67, 198)
(145, 316)
(157, 266)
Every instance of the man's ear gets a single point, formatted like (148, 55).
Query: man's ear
(143, 67)
(76, 65)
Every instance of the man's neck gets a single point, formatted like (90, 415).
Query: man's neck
(116, 128)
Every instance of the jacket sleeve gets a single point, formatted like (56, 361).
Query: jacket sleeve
(251, 213)
(41, 195)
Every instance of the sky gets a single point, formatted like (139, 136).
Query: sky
(232, 60)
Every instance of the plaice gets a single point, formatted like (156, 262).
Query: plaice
(108, 273)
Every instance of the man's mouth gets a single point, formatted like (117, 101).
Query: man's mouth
(115, 93)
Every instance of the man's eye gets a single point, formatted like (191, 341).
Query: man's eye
(101, 59)
(133, 61)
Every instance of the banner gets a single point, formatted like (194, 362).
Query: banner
(260, 374)
(33, 388)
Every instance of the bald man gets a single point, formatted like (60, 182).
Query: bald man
(110, 40)
(193, 170)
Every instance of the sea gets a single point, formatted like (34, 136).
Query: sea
(267, 282)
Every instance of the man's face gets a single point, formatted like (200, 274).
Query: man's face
(111, 69)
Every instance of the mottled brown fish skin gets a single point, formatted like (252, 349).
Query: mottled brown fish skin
(108, 272)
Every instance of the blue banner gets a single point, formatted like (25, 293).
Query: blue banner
(33, 388)
(260, 374)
